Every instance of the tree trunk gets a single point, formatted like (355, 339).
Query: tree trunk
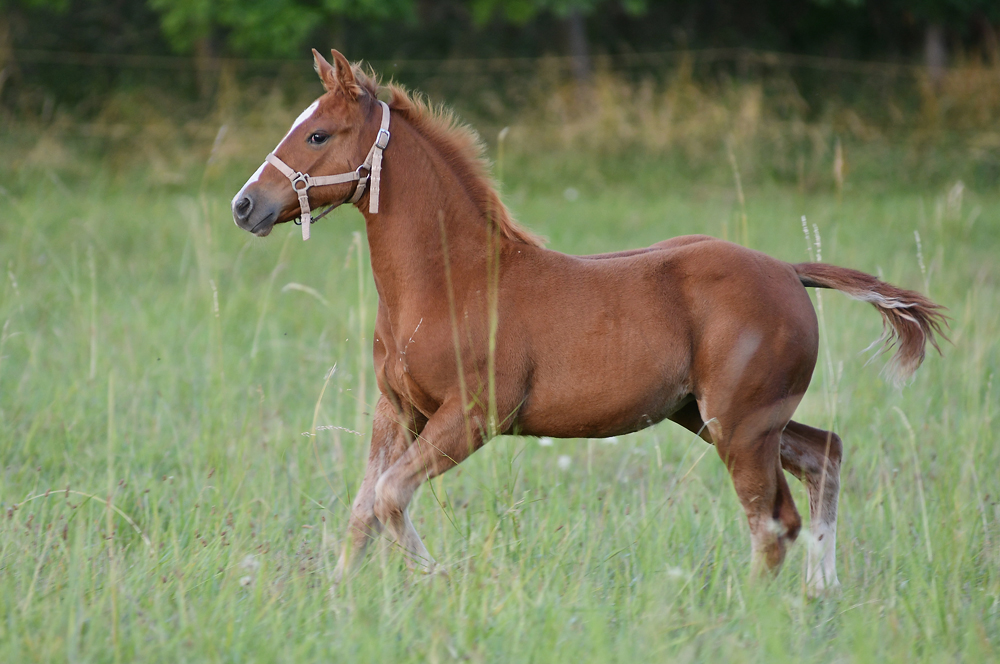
(206, 66)
(990, 45)
(935, 53)
(578, 50)
(6, 51)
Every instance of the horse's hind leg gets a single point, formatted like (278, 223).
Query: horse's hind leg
(747, 436)
(814, 457)
(390, 438)
(750, 449)
(762, 489)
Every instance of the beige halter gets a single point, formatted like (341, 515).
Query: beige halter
(372, 168)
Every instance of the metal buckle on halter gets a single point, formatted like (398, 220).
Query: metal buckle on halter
(382, 139)
(300, 177)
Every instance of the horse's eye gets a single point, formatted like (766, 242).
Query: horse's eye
(319, 138)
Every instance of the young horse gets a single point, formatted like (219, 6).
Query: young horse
(480, 331)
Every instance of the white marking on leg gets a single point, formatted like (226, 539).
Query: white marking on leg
(393, 501)
(821, 570)
(821, 558)
(418, 558)
(765, 533)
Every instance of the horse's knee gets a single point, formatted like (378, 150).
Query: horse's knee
(389, 503)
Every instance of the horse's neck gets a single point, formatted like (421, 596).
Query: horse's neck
(423, 209)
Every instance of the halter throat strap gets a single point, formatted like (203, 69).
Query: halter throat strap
(367, 174)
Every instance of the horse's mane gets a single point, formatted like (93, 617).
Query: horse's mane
(460, 146)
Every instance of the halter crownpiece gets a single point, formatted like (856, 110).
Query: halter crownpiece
(372, 166)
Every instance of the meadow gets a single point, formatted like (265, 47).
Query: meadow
(184, 410)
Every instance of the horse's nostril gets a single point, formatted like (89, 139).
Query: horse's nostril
(243, 207)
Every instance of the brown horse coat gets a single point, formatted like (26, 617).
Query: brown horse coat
(482, 331)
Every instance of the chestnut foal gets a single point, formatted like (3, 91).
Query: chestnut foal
(481, 331)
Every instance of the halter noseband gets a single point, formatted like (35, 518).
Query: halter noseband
(301, 182)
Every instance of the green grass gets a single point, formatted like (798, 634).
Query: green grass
(151, 352)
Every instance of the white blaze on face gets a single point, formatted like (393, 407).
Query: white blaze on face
(303, 116)
(253, 178)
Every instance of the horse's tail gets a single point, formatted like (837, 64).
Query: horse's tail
(909, 319)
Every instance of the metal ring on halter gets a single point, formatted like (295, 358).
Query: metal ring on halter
(300, 177)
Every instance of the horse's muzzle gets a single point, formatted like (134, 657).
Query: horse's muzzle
(254, 216)
(242, 209)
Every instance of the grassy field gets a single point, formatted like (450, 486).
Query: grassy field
(165, 498)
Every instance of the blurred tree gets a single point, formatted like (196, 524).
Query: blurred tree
(11, 9)
(943, 16)
(263, 28)
(435, 29)
(572, 12)
(938, 18)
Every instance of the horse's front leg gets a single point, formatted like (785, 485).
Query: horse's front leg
(450, 436)
(391, 435)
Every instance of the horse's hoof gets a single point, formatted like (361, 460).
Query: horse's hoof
(823, 590)
(430, 572)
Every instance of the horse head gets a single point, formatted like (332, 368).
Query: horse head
(331, 136)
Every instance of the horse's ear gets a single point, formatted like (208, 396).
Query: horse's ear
(341, 76)
(325, 71)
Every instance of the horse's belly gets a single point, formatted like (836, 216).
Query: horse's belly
(598, 401)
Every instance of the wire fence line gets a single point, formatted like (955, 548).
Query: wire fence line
(493, 91)
(736, 55)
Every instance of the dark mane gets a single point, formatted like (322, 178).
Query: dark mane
(460, 146)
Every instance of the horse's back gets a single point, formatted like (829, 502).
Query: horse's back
(672, 243)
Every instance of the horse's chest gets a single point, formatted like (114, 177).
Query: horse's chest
(403, 374)
(413, 389)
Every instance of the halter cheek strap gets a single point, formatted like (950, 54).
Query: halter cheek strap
(372, 169)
